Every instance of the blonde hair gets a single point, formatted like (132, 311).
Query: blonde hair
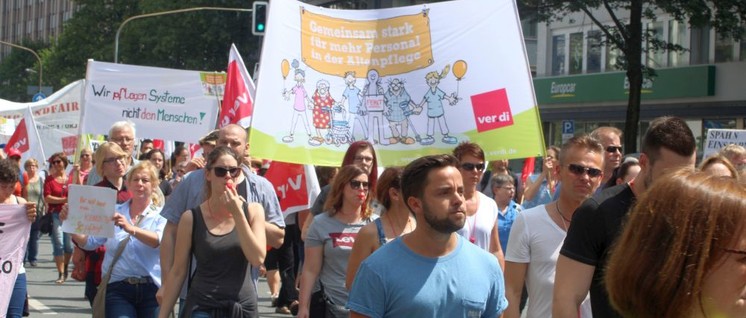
(156, 197)
(435, 74)
(101, 152)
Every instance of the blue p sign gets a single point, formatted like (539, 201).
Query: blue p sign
(568, 127)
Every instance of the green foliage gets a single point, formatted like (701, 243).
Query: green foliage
(197, 40)
(14, 77)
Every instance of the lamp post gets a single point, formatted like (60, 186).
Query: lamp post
(155, 14)
(32, 52)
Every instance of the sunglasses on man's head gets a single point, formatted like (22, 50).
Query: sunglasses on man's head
(580, 170)
(613, 149)
(468, 166)
(222, 171)
(359, 184)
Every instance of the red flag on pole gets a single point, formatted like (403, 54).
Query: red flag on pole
(19, 140)
(528, 168)
(238, 101)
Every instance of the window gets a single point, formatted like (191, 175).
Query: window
(723, 49)
(594, 51)
(677, 35)
(656, 58)
(743, 49)
(700, 45)
(612, 54)
(558, 54)
(576, 53)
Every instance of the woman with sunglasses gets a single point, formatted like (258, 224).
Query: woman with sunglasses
(394, 222)
(55, 195)
(481, 226)
(541, 189)
(216, 232)
(82, 168)
(136, 276)
(329, 244)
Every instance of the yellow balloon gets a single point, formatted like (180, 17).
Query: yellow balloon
(285, 68)
(459, 69)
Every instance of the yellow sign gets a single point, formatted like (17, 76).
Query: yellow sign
(391, 46)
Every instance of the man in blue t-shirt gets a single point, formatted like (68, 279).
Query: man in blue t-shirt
(431, 272)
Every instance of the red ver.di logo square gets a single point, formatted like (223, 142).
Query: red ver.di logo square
(492, 110)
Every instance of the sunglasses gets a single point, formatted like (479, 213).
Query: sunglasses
(220, 172)
(613, 149)
(471, 166)
(580, 170)
(55, 162)
(359, 184)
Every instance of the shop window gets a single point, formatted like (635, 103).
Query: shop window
(723, 49)
(594, 52)
(677, 35)
(656, 58)
(612, 55)
(700, 45)
(558, 54)
(576, 53)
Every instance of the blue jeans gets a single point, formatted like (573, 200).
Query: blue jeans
(124, 300)
(33, 246)
(60, 240)
(200, 314)
(18, 297)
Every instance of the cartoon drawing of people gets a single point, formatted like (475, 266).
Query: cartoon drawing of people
(322, 106)
(299, 104)
(399, 106)
(355, 111)
(373, 103)
(434, 99)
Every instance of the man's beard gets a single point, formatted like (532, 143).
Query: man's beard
(444, 225)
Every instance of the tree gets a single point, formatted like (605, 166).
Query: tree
(628, 35)
(19, 70)
(197, 40)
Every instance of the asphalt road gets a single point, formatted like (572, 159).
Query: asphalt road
(66, 300)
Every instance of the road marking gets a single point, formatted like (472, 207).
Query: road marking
(38, 306)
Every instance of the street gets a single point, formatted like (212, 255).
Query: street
(66, 300)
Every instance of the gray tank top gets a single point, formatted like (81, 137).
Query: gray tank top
(222, 283)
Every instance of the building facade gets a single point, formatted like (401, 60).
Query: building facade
(578, 87)
(36, 20)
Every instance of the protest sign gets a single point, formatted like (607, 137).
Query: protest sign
(412, 80)
(14, 235)
(91, 210)
(162, 103)
(56, 117)
(718, 138)
(296, 185)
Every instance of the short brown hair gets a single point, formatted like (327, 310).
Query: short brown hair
(671, 133)
(669, 245)
(468, 148)
(414, 177)
(59, 155)
(336, 193)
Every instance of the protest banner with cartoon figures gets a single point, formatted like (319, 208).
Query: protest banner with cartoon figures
(411, 80)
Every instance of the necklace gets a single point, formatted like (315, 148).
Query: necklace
(562, 216)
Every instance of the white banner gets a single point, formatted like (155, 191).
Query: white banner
(413, 80)
(91, 210)
(14, 235)
(718, 138)
(162, 103)
(56, 116)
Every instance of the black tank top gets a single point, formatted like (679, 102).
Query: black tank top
(222, 283)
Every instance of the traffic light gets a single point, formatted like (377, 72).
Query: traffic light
(259, 17)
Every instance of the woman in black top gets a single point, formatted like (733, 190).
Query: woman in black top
(221, 228)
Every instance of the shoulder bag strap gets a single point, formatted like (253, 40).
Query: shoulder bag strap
(120, 249)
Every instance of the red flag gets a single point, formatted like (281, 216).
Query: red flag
(158, 144)
(289, 180)
(193, 149)
(238, 101)
(19, 140)
(528, 168)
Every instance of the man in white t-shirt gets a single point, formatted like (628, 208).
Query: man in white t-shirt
(538, 233)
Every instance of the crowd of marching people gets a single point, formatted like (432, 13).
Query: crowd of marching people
(595, 232)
